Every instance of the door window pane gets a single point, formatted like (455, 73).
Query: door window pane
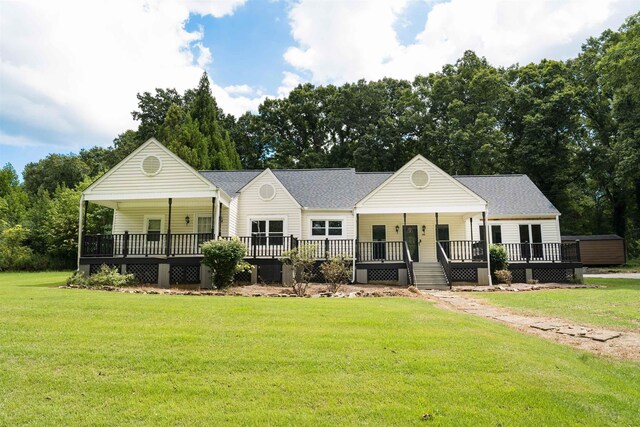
(259, 232)
(496, 234)
(379, 233)
(443, 231)
(275, 230)
(483, 233)
(536, 239)
(204, 228)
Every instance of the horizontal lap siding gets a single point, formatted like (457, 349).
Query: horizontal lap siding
(346, 218)
(250, 205)
(233, 217)
(441, 191)
(602, 252)
(131, 219)
(129, 177)
(427, 242)
(511, 229)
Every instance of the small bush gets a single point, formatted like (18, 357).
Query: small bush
(336, 273)
(503, 276)
(498, 258)
(224, 258)
(77, 279)
(301, 260)
(107, 276)
(532, 282)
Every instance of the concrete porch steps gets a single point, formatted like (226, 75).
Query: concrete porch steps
(429, 275)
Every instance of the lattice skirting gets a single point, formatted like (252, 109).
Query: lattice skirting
(382, 275)
(243, 277)
(316, 274)
(145, 273)
(546, 275)
(94, 268)
(184, 274)
(270, 273)
(464, 274)
(518, 275)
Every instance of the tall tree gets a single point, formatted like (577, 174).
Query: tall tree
(53, 171)
(204, 110)
(153, 110)
(180, 133)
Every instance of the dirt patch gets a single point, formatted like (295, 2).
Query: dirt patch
(619, 344)
(315, 290)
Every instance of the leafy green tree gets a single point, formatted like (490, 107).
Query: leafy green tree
(13, 200)
(53, 171)
(14, 255)
(152, 111)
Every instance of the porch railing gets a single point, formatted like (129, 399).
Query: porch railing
(409, 263)
(382, 251)
(543, 252)
(441, 255)
(464, 250)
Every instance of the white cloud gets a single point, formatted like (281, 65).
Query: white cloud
(72, 69)
(345, 41)
(289, 82)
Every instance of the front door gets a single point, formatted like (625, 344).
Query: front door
(379, 234)
(411, 236)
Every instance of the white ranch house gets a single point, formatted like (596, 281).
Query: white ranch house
(417, 225)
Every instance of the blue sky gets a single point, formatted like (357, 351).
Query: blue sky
(70, 70)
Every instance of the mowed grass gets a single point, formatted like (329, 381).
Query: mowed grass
(616, 306)
(79, 357)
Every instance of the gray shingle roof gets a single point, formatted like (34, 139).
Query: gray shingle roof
(230, 181)
(343, 188)
(509, 194)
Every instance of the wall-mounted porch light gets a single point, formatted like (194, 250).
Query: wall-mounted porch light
(397, 229)
(424, 229)
(187, 220)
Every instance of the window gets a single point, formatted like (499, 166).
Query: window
(326, 228)
(496, 234)
(379, 234)
(154, 226)
(267, 232)
(443, 232)
(203, 228)
(483, 233)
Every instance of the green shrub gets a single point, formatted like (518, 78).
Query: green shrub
(224, 258)
(336, 273)
(498, 259)
(77, 279)
(503, 276)
(301, 260)
(107, 276)
(13, 254)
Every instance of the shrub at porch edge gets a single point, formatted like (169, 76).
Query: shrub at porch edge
(498, 259)
(224, 258)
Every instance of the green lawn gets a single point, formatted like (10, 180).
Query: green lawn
(78, 357)
(616, 306)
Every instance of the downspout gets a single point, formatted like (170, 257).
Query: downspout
(80, 230)
(485, 214)
(355, 244)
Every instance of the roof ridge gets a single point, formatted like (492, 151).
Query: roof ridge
(489, 176)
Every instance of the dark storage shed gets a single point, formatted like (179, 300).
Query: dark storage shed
(603, 249)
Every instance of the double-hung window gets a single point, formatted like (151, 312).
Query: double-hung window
(267, 232)
(154, 226)
(326, 228)
(203, 228)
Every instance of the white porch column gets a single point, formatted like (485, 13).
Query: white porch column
(216, 219)
(80, 229)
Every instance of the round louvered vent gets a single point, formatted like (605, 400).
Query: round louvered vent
(420, 178)
(151, 165)
(267, 192)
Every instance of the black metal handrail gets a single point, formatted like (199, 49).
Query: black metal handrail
(409, 263)
(545, 252)
(443, 259)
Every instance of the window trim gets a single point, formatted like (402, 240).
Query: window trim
(326, 235)
(268, 218)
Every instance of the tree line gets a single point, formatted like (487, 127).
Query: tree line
(572, 126)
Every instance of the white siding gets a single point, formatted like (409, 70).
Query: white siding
(131, 218)
(129, 178)
(251, 206)
(233, 217)
(427, 241)
(511, 231)
(442, 192)
(345, 217)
